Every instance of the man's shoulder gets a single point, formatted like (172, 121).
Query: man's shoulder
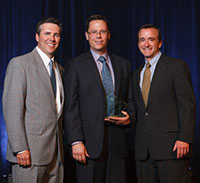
(79, 60)
(19, 65)
(22, 58)
(85, 55)
(174, 62)
(170, 59)
(119, 58)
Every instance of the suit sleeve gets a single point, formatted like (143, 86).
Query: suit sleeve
(130, 101)
(14, 96)
(72, 118)
(186, 103)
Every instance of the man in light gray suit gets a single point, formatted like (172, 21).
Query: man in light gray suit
(32, 104)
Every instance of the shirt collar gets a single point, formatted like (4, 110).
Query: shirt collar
(44, 57)
(154, 60)
(96, 56)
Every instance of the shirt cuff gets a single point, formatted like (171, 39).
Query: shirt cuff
(77, 142)
(20, 152)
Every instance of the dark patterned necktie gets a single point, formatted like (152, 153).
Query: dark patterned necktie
(52, 77)
(146, 83)
(108, 87)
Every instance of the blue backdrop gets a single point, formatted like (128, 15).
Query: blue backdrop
(177, 19)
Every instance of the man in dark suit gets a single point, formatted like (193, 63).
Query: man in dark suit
(165, 113)
(98, 144)
(33, 110)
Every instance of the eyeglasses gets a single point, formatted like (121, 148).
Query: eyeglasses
(95, 33)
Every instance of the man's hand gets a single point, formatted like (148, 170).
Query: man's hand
(182, 148)
(123, 121)
(24, 158)
(79, 152)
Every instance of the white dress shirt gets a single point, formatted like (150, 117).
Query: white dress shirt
(46, 60)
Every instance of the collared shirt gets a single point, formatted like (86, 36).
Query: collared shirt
(100, 64)
(46, 60)
(153, 62)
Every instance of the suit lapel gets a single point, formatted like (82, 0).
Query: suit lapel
(159, 72)
(116, 74)
(90, 63)
(43, 75)
(138, 87)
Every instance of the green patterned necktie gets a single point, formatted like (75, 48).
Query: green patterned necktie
(108, 87)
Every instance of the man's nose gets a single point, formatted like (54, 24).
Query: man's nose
(146, 43)
(52, 37)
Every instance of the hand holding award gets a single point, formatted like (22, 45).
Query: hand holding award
(120, 117)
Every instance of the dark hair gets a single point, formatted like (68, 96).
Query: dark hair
(96, 17)
(48, 20)
(146, 26)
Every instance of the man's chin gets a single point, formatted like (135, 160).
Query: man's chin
(101, 50)
(148, 56)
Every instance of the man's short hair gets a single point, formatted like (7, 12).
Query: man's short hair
(48, 20)
(96, 17)
(146, 26)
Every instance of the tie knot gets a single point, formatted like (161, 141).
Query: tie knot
(148, 65)
(51, 63)
(102, 59)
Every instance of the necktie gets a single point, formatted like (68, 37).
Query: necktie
(146, 83)
(108, 87)
(52, 77)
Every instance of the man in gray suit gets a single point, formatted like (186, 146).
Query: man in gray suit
(32, 105)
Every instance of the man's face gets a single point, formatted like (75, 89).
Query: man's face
(98, 36)
(49, 38)
(148, 42)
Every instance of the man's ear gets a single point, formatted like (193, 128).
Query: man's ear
(37, 37)
(86, 35)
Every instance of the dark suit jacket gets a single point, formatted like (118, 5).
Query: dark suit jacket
(84, 107)
(170, 112)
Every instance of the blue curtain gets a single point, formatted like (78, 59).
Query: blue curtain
(177, 19)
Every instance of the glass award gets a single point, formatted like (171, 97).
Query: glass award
(118, 105)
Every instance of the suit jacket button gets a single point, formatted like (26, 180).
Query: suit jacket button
(146, 113)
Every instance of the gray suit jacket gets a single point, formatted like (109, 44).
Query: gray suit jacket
(30, 111)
